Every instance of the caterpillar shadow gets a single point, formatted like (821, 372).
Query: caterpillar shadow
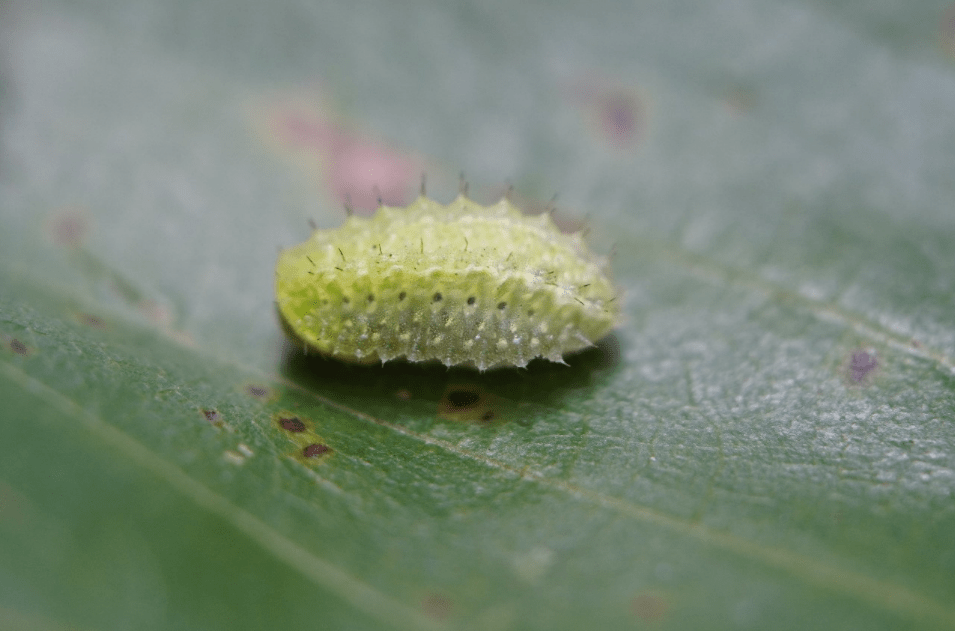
(456, 393)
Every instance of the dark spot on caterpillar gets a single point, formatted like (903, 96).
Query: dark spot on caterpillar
(437, 296)
(501, 305)
(315, 449)
(471, 300)
(402, 295)
(292, 424)
(18, 347)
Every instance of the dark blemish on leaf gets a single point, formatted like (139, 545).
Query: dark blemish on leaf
(437, 606)
(530, 313)
(315, 449)
(437, 296)
(345, 300)
(649, 606)
(948, 30)
(501, 305)
(620, 118)
(403, 394)
(18, 347)
(471, 300)
(402, 295)
(91, 320)
(259, 392)
(741, 98)
(466, 402)
(861, 365)
(68, 227)
(292, 424)
(155, 312)
(371, 297)
(461, 399)
(213, 417)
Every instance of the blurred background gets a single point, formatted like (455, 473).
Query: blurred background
(766, 441)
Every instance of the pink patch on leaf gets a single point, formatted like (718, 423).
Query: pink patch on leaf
(358, 171)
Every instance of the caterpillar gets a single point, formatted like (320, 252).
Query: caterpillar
(462, 283)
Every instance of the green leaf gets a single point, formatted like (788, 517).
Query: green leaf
(767, 441)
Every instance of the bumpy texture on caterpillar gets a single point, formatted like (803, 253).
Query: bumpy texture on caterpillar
(484, 286)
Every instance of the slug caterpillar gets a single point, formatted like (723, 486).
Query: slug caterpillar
(463, 284)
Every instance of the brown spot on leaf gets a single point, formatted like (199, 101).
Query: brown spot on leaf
(68, 227)
(620, 115)
(458, 399)
(315, 449)
(947, 30)
(91, 320)
(259, 392)
(18, 347)
(437, 606)
(404, 394)
(649, 606)
(861, 365)
(740, 98)
(292, 424)
(467, 402)
(213, 417)
(155, 313)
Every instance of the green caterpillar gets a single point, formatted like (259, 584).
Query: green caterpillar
(464, 284)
